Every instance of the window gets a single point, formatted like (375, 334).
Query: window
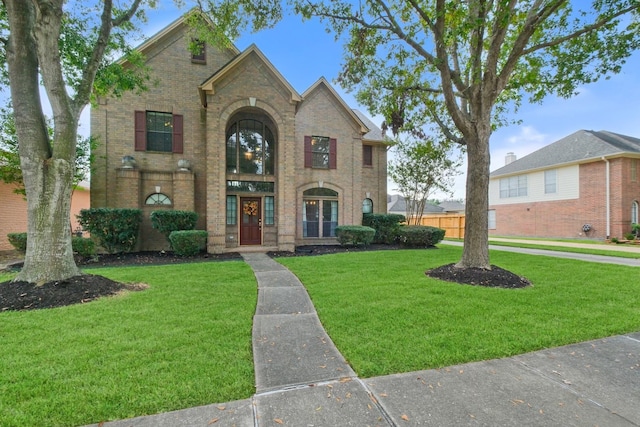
(269, 210)
(634, 170)
(158, 131)
(550, 185)
(232, 210)
(198, 51)
(515, 186)
(320, 213)
(634, 213)
(250, 148)
(492, 219)
(158, 199)
(367, 206)
(320, 152)
(367, 155)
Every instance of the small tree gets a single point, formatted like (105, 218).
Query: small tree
(421, 168)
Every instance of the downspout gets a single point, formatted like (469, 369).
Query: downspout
(608, 195)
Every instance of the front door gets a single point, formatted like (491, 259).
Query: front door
(251, 224)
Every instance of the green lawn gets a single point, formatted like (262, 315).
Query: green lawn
(386, 316)
(593, 251)
(186, 341)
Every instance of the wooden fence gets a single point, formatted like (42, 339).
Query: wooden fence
(453, 224)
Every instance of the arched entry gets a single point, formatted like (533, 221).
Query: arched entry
(251, 170)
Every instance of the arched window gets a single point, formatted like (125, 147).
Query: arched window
(158, 199)
(319, 213)
(634, 212)
(367, 206)
(250, 148)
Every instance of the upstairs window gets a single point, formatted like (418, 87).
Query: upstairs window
(320, 152)
(515, 186)
(198, 51)
(250, 148)
(158, 131)
(367, 155)
(550, 181)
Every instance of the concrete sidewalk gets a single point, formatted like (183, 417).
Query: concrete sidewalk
(302, 380)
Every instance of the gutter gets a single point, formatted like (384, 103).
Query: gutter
(608, 195)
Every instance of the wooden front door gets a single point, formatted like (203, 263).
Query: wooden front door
(251, 223)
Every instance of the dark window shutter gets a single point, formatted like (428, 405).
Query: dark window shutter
(333, 144)
(177, 134)
(141, 131)
(308, 154)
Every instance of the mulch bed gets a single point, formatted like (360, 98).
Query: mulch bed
(87, 287)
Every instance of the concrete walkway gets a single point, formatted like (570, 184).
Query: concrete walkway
(302, 380)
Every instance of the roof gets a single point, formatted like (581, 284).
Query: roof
(375, 133)
(579, 147)
(398, 204)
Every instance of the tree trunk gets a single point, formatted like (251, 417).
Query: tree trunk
(48, 179)
(475, 253)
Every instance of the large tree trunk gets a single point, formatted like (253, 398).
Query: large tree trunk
(475, 253)
(48, 179)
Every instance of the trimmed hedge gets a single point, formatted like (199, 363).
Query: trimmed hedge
(115, 229)
(18, 241)
(83, 246)
(354, 235)
(386, 226)
(188, 242)
(420, 236)
(166, 222)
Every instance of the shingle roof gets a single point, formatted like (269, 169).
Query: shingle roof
(398, 204)
(580, 146)
(374, 134)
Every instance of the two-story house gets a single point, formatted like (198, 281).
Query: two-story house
(586, 185)
(224, 134)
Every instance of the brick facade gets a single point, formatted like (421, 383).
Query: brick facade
(211, 97)
(566, 218)
(13, 212)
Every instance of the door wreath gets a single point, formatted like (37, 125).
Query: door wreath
(250, 208)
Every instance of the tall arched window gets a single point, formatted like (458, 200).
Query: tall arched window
(634, 212)
(250, 148)
(367, 206)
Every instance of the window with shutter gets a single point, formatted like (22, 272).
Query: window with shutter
(158, 131)
(320, 152)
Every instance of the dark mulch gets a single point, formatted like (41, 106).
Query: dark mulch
(76, 290)
(495, 278)
(85, 288)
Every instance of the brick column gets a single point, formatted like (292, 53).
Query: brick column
(128, 188)
(183, 190)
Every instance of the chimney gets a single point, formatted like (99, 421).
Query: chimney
(510, 158)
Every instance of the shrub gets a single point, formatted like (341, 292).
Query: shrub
(188, 242)
(115, 229)
(167, 222)
(385, 225)
(83, 246)
(420, 236)
(629, 236)
(18, 241)
(354, 235)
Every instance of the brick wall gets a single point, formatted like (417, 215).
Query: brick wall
(565, 218)
(13, 212)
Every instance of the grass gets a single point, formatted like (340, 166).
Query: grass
(184, 342)
(386, 316)
(591, 251)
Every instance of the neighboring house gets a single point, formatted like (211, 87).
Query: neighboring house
(398, 205)
(584, 185)
(13, 212)
(224, 134)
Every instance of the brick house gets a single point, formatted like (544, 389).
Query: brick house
(224, 134)
(13, 212)
(585, 185)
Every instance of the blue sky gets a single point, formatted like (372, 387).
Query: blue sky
(304, 52)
